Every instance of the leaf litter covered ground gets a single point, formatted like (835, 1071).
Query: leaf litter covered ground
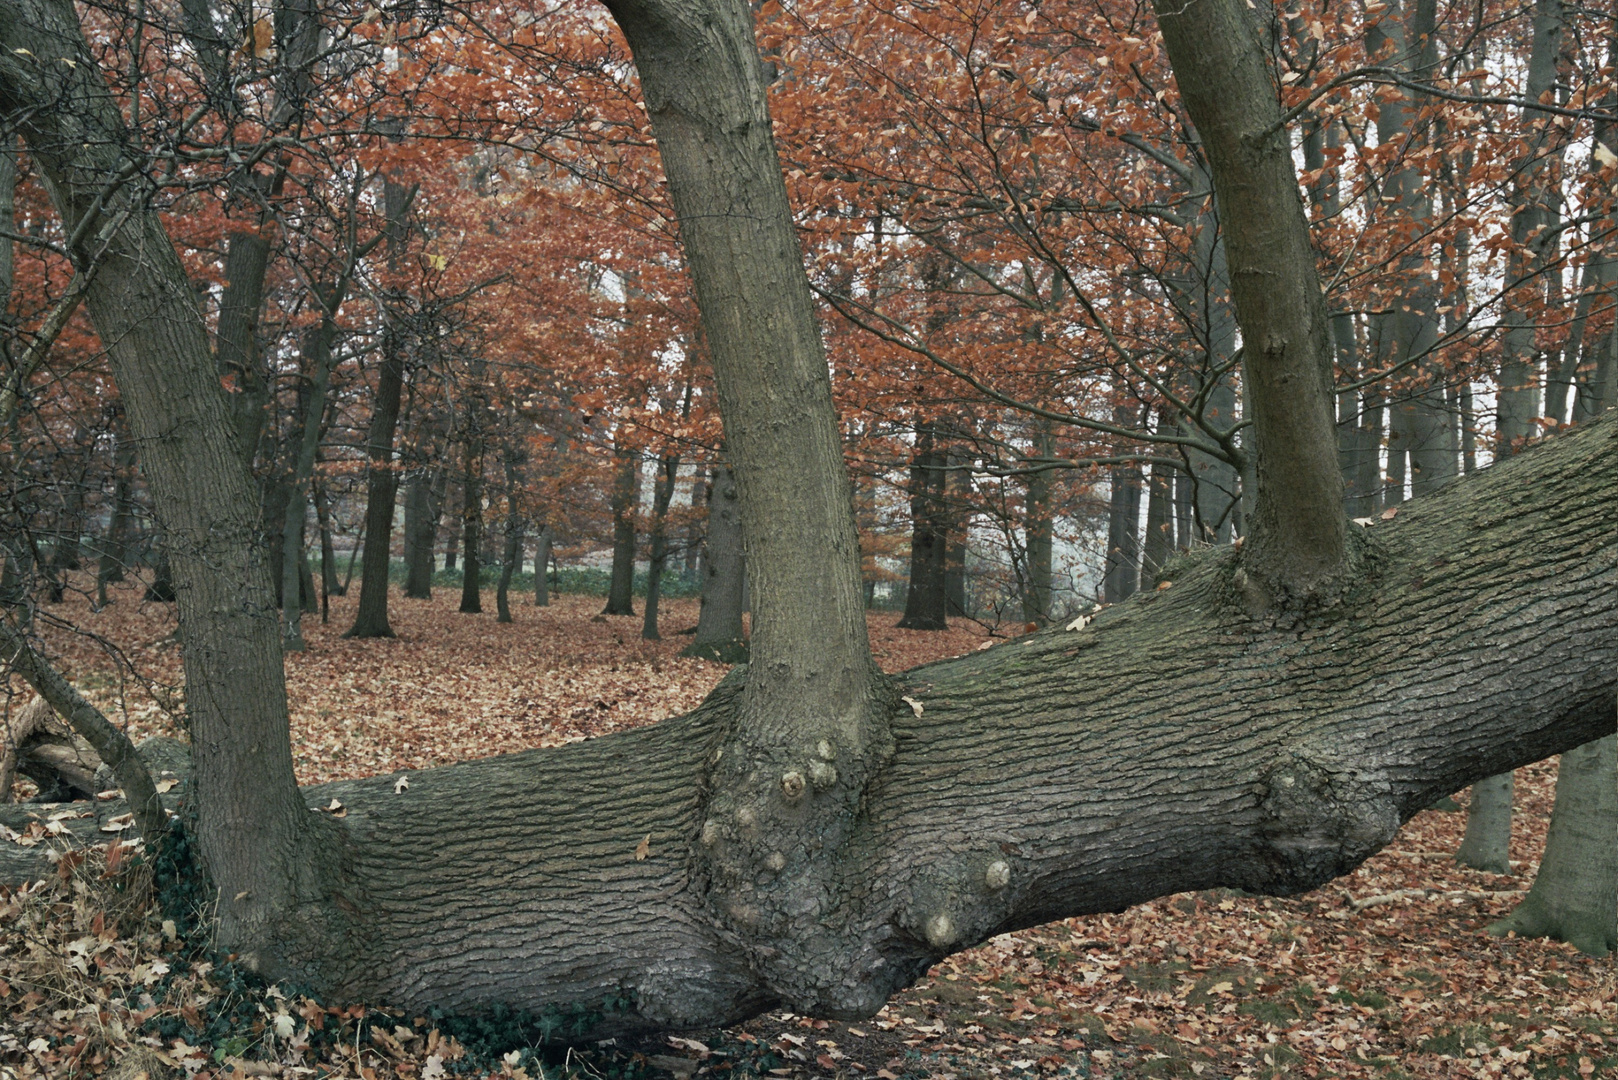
(1385, 973)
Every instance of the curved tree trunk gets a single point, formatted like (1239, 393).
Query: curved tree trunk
(1171, 744)
(255, 834)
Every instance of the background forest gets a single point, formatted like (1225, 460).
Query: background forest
(446, 300)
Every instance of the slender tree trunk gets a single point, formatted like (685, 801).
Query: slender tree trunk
(318, 342)
(625, 496)
(1038, 529)
(472, 525)
(662, 495)
(115, 550)
(452, 545)
(926, 601)
(258, 842)
(1159, 545)
(329, 584)
(1123, 536)
(1296, 544)
(511, 558)
(542, 567)
(423, 503)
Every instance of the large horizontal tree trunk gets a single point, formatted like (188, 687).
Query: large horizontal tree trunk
(1171, 744)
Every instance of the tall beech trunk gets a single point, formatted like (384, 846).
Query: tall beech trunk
(625, 496)
(1159, 545)
(258, 841)
(926, 601)
(381, 477)
(1487, 843)
(720, 635)
(662, 495)
(1575, 894)
(1296, 544)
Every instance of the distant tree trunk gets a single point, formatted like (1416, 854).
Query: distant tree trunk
(1487, 844)
(472, 525)
(452, 545)
(317, 345)
(625, 494)
(542, 567)
(511, 558)
(161, 590)
(662, 495)
(329, 584)
(926, 599)
(955, 598)
(1123, 532)
(1159, 543)
(720, 635)
(1574, 897)
(65, 552)
(423, 504)
(1038, 529)
(115, 549)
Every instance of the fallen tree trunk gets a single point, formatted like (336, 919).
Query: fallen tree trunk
(1171, 744)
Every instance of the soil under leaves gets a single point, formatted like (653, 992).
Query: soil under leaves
(1385, 973)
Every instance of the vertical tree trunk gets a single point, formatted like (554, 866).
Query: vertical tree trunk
(720, 634)
(1296, 545)
(329, 583)
(926, 600)
(1122, 573)
(1575, 895)
(1038, 529)
(423, 503)
(254, 832)
(318, 342)
(511, 558)
(662, 494)
(1159, 543)
(115, 550)
(1487, 844)
(472, 525)
(452, 545)
(542, 567)
(625, 496)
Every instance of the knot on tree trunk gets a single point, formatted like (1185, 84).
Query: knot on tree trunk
(784, 805)
(1321, 818)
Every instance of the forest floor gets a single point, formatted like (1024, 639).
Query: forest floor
(1385, 973)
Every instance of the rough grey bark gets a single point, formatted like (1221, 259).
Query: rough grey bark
(720, 635)
(1296, 543)
(1487, 844)
(1575, 895)
(625, 496)
(254, 832)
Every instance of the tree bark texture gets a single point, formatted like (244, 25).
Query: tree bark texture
(254, 831)
(720, 633)
(1296, 543)
(1172, 744)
